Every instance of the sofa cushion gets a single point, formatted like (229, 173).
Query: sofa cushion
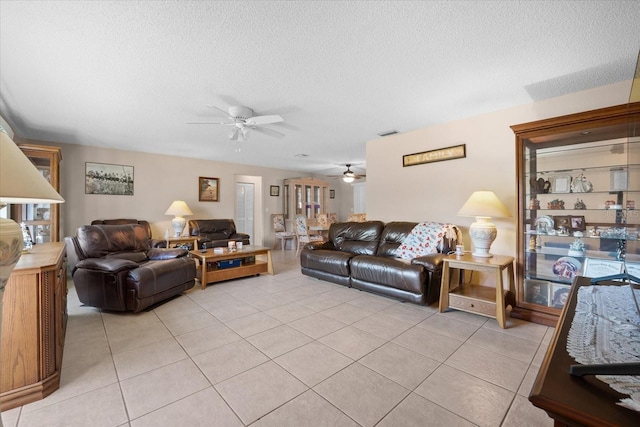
(392, 235)
(97, 241)
(214, 229)
(330, 261)
(356, 237)
(391, 272)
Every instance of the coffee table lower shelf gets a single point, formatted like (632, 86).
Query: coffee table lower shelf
(233, 272)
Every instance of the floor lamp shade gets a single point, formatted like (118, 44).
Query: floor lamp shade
(178, 208)
(483, 205)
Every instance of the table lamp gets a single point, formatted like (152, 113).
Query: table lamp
(178, 208)
(20, 182)
(483, 205)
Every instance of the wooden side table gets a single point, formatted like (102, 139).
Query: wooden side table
(484, 300)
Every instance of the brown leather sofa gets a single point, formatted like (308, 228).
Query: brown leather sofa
(117, 269)
(216, 233)
(362, 255)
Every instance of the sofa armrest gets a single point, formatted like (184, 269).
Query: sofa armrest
(328, 245)
(166, 253)
(239, 236)
(432, 262)
(106, 265)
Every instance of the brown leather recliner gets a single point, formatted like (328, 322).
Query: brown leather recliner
(216, 233)
(118, 270)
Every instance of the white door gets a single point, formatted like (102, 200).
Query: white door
(244, 208)
(248, 216)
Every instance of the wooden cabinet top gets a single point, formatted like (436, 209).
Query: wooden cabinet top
(41, 256)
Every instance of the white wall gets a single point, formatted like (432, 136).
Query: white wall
(436, 191)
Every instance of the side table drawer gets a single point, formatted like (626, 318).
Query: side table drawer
(473, 305)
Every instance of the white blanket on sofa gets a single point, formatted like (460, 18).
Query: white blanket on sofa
(427, 238)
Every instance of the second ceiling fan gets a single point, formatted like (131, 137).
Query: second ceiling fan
(348, 175)
(242, 120)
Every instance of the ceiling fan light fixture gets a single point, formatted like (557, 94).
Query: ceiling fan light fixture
(348, 178)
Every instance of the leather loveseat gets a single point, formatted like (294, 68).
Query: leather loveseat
(117, 270)
(216, 233)
(364, 255)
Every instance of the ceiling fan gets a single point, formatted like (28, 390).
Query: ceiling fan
(242, 120)
(349, 175)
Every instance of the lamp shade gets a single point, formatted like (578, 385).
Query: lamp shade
(178, 208)
(484, 203)
(20, 181)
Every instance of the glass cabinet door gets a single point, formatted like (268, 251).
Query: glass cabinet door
(42, 219)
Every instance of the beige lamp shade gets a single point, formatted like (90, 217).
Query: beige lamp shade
(20, 181)
(483, 205)
(178, 208)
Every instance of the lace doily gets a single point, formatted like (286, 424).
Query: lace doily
(606, 329)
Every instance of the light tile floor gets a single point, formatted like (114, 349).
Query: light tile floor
(289, 350)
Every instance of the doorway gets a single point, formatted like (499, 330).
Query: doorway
(248, 216)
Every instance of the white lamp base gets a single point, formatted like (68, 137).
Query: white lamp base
(10, 248)
(178, 223)
(482, 233)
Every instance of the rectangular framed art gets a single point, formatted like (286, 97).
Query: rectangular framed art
(274, 190)
(332, 194)
(208, 189)
(104, 178)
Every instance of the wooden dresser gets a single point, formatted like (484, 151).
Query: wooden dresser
(34, 319)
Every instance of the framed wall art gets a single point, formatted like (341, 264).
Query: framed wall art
(208, 189)
(104, 178)
(274, 190)
(332, 194)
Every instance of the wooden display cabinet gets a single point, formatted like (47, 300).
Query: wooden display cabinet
(42, 219)
(576, 174)
(305, 196)
(34, 320)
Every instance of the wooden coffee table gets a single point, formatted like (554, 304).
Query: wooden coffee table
(253, 261)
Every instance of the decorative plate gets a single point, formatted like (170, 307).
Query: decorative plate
(566, 268)
(545, 221)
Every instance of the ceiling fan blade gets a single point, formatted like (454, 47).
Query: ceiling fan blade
(235, 134)
(209, 123)
(264, 120)
(268, 131)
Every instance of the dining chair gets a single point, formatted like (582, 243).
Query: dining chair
(281, 234)
(302, 233)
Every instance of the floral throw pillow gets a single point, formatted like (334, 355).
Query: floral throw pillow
(424, 239)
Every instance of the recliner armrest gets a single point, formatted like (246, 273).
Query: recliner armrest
(431, 262)
(166, 253)
(106, 265)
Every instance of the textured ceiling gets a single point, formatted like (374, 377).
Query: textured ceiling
(131, 74)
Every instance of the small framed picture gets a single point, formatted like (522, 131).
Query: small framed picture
(332, 194)
(577, 223)
(562, 221)
(274, 190)
(559, 295)
(208, 189)
(562, 184)
(537, 291)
